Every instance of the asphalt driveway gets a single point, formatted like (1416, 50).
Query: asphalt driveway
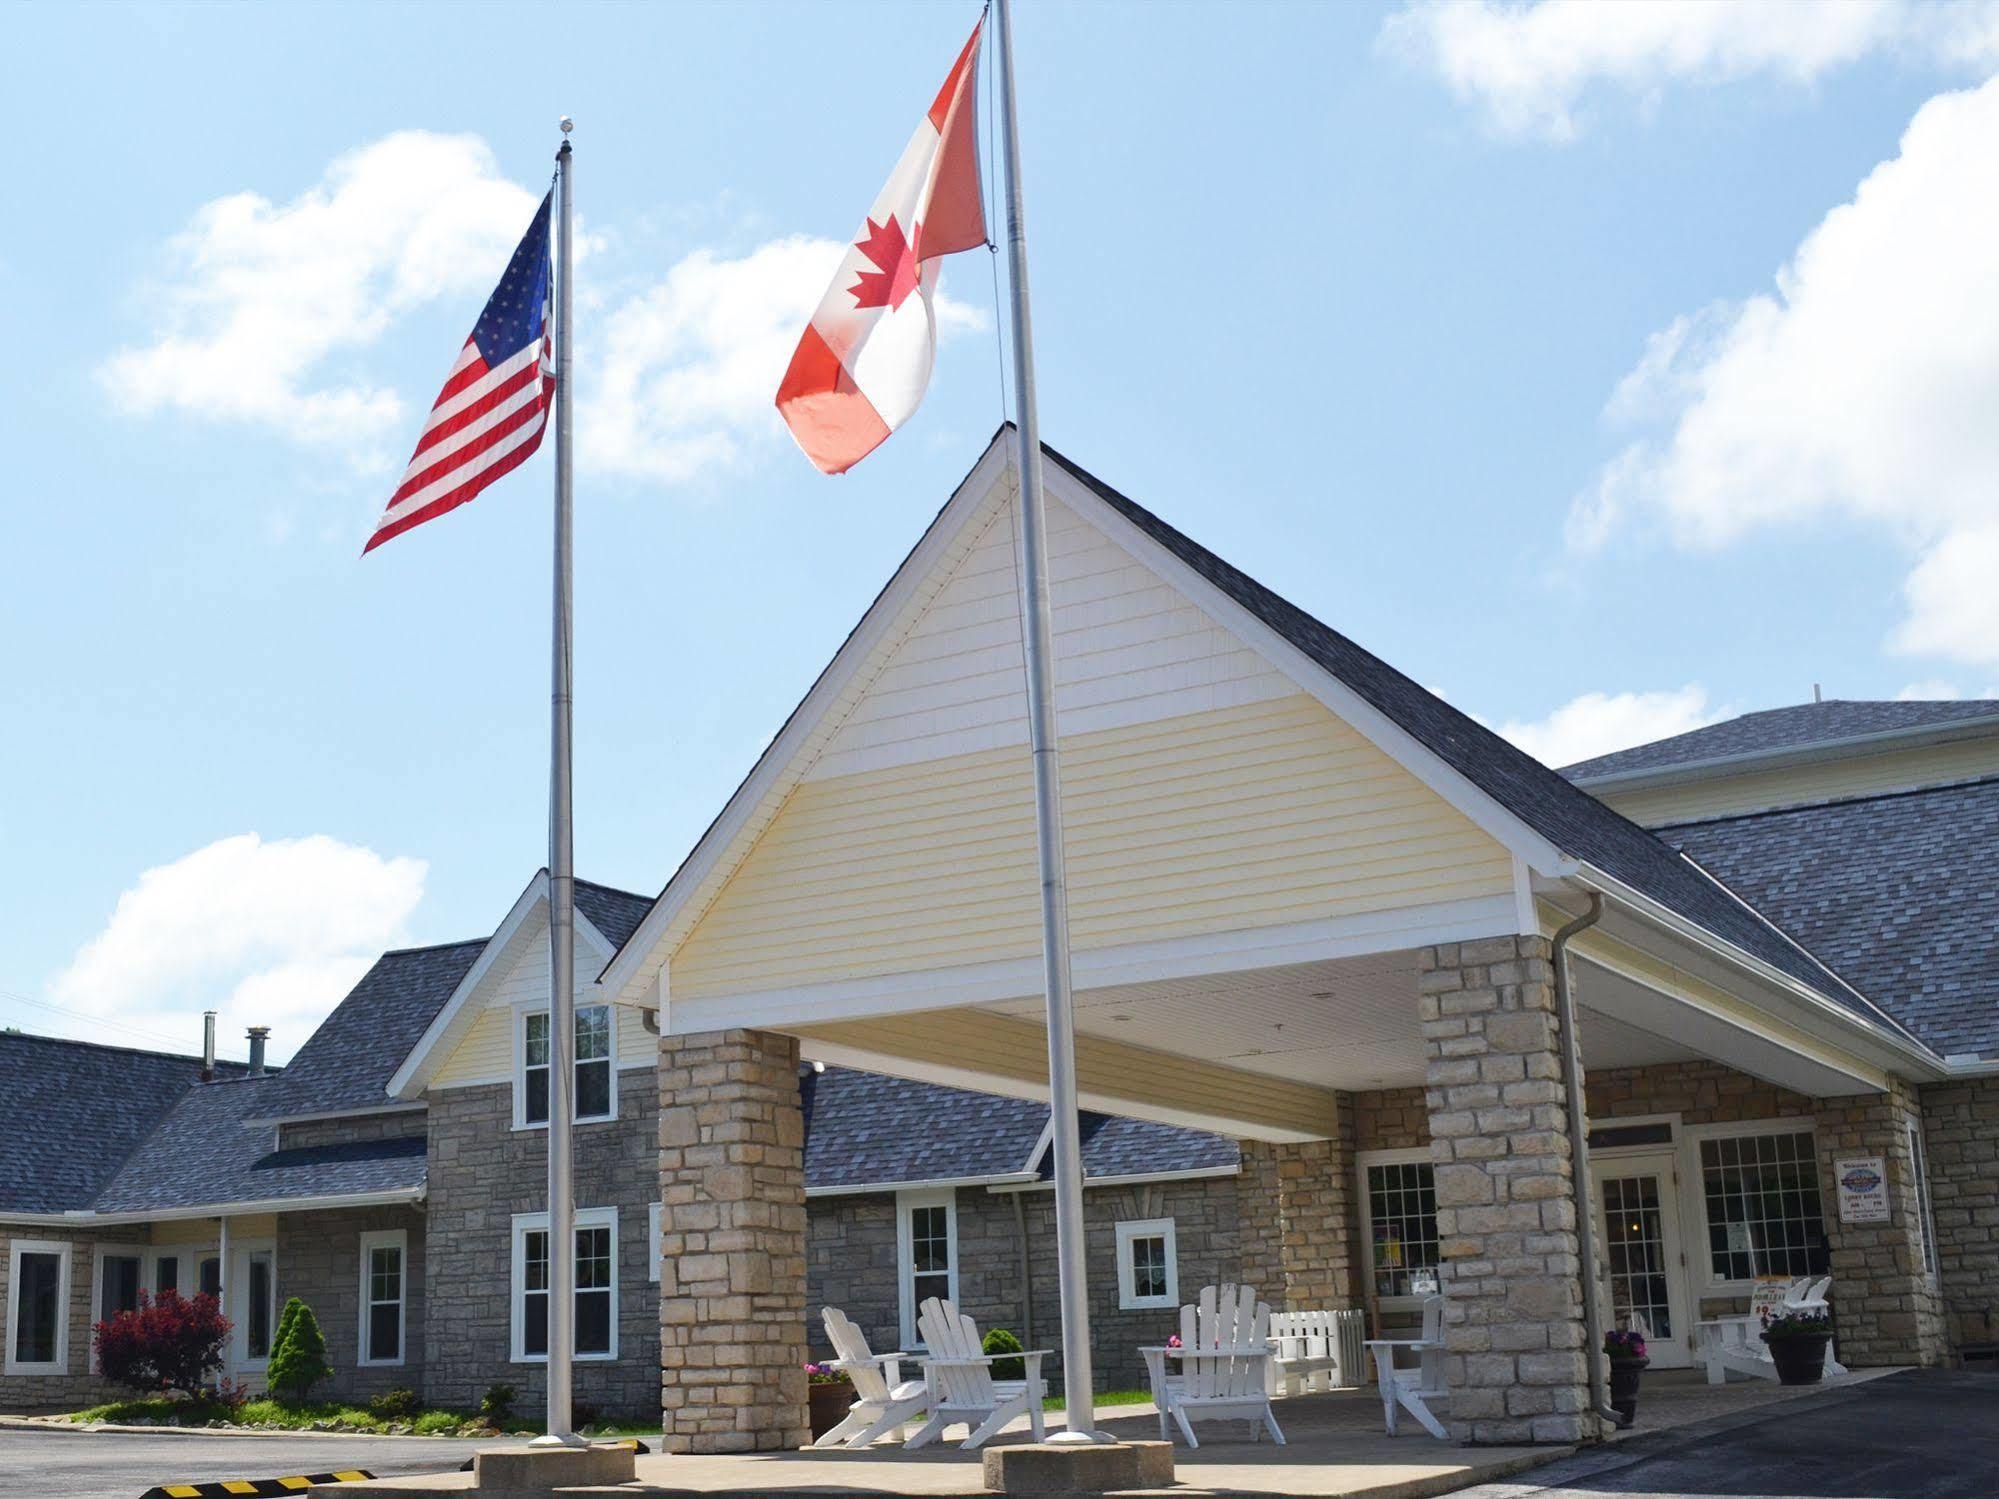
(122, 1465)
(1926, 1434)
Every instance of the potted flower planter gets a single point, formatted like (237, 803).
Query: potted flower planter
(829, 1396)
(1797, 1343)
(1626, 1352)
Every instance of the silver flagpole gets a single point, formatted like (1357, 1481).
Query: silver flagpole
(1079, 1417)
(561, 876)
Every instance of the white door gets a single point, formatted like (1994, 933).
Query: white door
(1638, 1225)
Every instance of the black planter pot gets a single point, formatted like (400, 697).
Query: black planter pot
(1800, 1359)
(828, 1405)
(1624, 1374)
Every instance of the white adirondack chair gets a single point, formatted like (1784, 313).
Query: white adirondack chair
(883, 1401)
(1224, 1357)
(1413, 1389)
(959, 1374)
(1734, 1345)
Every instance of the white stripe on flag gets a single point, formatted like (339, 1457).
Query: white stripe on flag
(445, 410)
(431, 456)
(464, 474)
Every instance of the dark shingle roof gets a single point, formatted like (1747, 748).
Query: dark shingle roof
(75, 1110)
(863, 1129)
(1899, 891)
(347, 1063)
(615, 913)
(204, 1153)
(1773, 729)
(1571, 819)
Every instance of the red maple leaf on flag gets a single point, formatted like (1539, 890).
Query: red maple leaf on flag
(899, 271)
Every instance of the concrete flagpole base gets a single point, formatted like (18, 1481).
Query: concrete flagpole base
(1079, 1467)
(532, 1470)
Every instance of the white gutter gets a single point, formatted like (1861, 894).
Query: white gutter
(1929, 1063)
(1850, 746)
(86, 1217)
(928, 1184)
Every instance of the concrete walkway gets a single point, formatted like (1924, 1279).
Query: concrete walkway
(1334, 1446)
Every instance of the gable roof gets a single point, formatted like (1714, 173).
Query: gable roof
(1551, 824)
(1774, 730)
(345, 1065)
(1901, 890)
(75, 1111)
(868, 1131)
(202, 1155)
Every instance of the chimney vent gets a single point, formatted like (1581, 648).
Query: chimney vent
(259, 1034)
(208, 1046)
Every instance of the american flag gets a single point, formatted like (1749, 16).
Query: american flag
(490, 415)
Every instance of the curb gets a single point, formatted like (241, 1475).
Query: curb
(254, 1488)
(106, 1428)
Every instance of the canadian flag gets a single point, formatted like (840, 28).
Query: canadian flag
(862, 367)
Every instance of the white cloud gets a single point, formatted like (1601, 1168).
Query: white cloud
(265, 932)
(1529, 67)
(1598, 722)
(1930, 691)
(264, 297)
(690, 366)
(1861, 388)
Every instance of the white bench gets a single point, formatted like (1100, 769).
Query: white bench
(1315, 1350)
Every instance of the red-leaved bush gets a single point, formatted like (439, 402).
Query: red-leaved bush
(168, 1343)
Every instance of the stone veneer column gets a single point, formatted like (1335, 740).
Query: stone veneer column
(1506, 1205)
(1886, 1307)
(1294, 1205)
(732, 1243)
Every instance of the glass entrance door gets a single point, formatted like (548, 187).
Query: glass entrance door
(1639, 1227)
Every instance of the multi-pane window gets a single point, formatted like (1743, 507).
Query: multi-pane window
(926, 1246)
(1763, 1212)
(1402, 1228)
(593, 1067)
(384, 1295)
(1147, 1274)
(36, 1305)
(595, 1297)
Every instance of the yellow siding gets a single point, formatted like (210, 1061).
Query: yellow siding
(1862, 776)
(200, 1232)
(1257, 815)
(485, 1053)
(1010, 1052)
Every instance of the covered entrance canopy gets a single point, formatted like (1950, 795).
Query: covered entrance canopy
(1296, 877)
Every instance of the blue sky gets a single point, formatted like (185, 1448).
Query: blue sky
(1555, 353)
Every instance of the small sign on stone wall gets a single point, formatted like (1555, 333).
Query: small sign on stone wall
(1863, 1189)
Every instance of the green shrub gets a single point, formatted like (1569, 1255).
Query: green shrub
(999, 1340)
(497, 1404)
(298, 1359)
(395, 1405)
(437, 1423)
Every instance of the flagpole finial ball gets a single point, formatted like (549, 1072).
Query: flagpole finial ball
(567, 124)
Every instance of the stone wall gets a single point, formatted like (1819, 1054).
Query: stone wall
(1887, 1307)
(1961, 1125)
(319, 1261)
(1699, 1092)
(78, 1387)
(851, 1264)
(404, 1124)
(732, 1247)
(1297, 1232)
(1506, 1205)
(482, 1172)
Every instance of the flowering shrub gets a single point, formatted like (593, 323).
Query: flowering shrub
(1797, 1322)
(167, 1342)
(824, 1374)
(1173, 1341)
(1624, 1344)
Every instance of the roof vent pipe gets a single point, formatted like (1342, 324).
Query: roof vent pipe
(1572, 1066)
(208, 1046)
(259, 1034)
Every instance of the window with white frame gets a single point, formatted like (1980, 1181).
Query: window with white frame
(384, 1295)
(121, 1275)
(1926, 1224)
(926, 1245)
(37, 1307)
(594, 1067)
(595, 1317)
(1148, 1269)
(260, 1289)
(1760, 1190)
(1399, 1200)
